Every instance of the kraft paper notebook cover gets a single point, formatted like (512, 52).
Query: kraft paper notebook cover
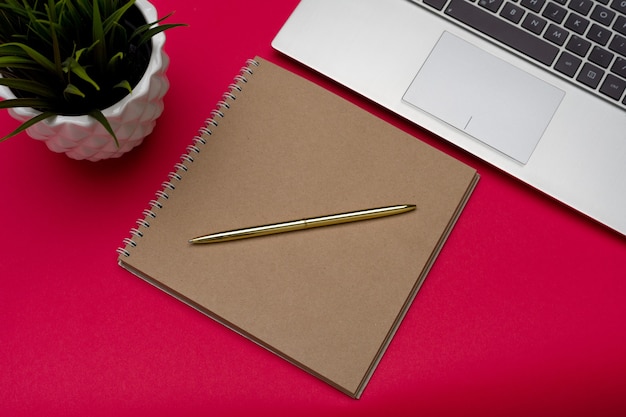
(280, 148)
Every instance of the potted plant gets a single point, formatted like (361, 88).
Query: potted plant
(87, 77)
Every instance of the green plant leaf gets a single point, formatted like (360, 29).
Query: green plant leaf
(69, 13)
(71, 89)
(150, 33)
(29, 86)
(28, 124)
(72, 65)
(35, 103)
(115, 17)
(147, 31)
(114, 61)
(84, 7)
(17, 62)
(38, 25)
(97, 114)
(56, 49)
(98, 36)
(36, 56)
(11, 50)
(125, 85)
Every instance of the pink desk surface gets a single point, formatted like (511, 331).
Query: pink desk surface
(523, 314)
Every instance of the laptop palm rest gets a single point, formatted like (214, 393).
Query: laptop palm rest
(489, 99)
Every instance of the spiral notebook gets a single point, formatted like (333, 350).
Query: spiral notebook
(279, 148)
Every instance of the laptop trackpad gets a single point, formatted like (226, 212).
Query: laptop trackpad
(491, 100)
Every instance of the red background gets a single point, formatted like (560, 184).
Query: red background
(523, 313)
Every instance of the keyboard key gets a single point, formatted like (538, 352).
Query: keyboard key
(603, 15)
(534, 5)
(618, 44)
(601, 57)
(581, 6)
(492, 5)
(554, 12)
(556, 34)
(613, 87)
(576, 23)
(620, 25)
(599, 34)
(534, 23)
(512, 12)
(437, 4)
(577, 45)
(619, 5)
(619, 67)
(568, 64)
(499, 29)
(590, 75)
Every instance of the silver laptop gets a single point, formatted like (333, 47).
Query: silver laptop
(535, 87)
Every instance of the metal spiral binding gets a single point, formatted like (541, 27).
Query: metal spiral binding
(180, 168)
(155, 204)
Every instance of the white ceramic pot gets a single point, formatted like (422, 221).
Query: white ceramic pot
(132, 118)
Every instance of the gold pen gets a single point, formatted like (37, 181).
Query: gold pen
(293, 225)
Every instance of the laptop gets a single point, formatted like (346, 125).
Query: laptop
(537, 88)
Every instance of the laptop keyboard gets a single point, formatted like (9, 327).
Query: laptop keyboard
(583, 41)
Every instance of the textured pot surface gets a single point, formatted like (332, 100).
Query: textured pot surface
(132, 118)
